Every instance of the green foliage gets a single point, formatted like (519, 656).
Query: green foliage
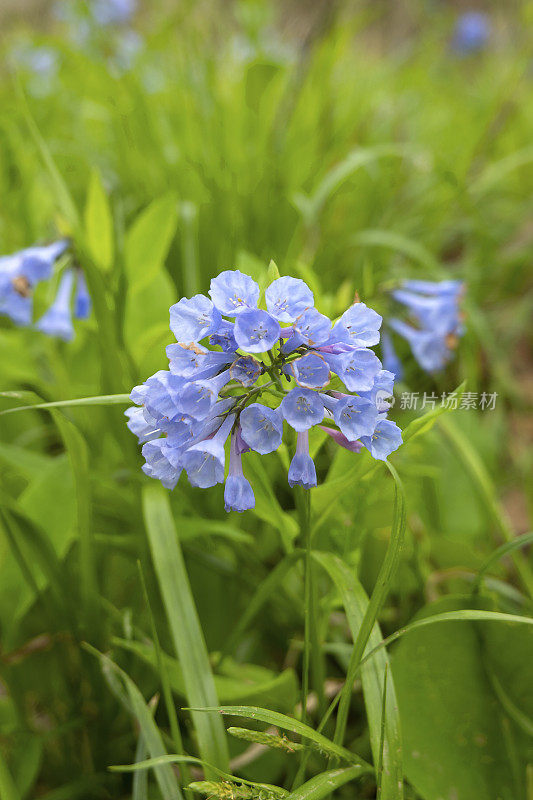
(353, 158)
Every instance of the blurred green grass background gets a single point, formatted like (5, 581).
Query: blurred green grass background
(351, 144)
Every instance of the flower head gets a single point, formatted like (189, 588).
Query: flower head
(236, 373)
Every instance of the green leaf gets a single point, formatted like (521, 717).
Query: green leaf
(149, 239)
(99, 223)
(324, 784)
(167, 782)
(261, 687)
(184, 624)
(294, 725)
(272, 272)
(451, 720)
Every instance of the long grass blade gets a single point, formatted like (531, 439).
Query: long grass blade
(167, 782)
(361, 613)
(184, 624)
(328, 747)
(375, 603)
(324, 784)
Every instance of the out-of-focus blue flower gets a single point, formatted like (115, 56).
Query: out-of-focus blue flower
(20, 273)
(472, 32)
(262, 375)
(302, 470)
(391, 361)
(82, 301)
(112, 12)
(433, 309)
(57, 321)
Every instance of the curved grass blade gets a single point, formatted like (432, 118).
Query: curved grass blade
(316, 788)
(365, 625)
(520, 541)
(184, 624)
(8, 789)
(465, 615)
(165, 777)
(289, 724)
(76, 449)
(98, 400)
(324, 784)
(399, 243)
(163, 673)
(482, 480)
(311, 206)
(150, 763)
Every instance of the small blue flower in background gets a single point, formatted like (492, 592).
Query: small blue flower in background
(82, 301)
(472, 32)
(433, 309)
(19, 275)
(57, 321)
(112, 12)
(390, 359)
(272, 365)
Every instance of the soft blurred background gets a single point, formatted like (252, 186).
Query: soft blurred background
(355, 144)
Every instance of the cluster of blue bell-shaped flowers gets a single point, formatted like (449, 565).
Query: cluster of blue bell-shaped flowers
(305, 370)
(433, 327)
(19, 275)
